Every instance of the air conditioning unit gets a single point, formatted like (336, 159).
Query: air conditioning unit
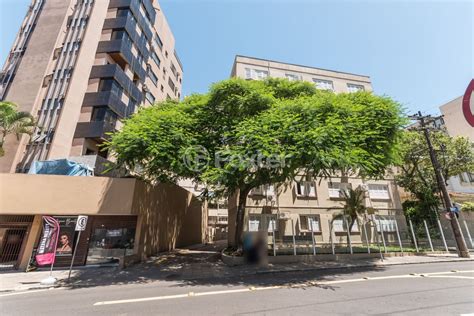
(285, 215)
(364, 187)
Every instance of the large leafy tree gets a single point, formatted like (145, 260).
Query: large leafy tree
(243, 134)
(417, 176)
(13, 121)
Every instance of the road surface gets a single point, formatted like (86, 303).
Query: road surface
(421, 289)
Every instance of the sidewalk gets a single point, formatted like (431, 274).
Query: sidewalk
(191, 266)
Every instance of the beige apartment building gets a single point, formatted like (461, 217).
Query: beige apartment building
(306, 206)
(80, 67)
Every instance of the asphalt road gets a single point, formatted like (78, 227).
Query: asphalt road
(423, 289)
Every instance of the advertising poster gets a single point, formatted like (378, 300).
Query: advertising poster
(46, 252)
(66, 236)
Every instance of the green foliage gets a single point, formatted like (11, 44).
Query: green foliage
(417, 176)
(13, 122)
(353, 206)
(467, 207)
(275, 119)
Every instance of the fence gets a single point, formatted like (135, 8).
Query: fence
(313, 234)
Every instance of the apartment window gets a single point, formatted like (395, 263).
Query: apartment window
(467, 177)
(265, 190)
(150, 98)
(339, 226)
(171, 84)
(292, 77)
(379, 191)
(158, 41)
(310, 223)
(355, 87)
(255, 74)
(256, 222)
(122, 12)
(110, 85)
(334, 189)
(386, 224)
(156, 59)
(153, 77)
(305, 189)
(323, 84)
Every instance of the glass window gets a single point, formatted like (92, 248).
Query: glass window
(156, 59)
(150, 98)
(110, 85)
(305, 188)
(339, 225)
(310, 223)
(122, 12)
(158, 41)
(355, 87)
(153, 77)
(292, 77)
(379, 191)
(255, 74)
(323, 84)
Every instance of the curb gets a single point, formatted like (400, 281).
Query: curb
(356, 266)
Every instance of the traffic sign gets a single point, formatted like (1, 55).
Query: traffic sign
(81, 223)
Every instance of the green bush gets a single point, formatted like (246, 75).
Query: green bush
(467, 207)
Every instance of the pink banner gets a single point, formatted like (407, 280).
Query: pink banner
(46, 253)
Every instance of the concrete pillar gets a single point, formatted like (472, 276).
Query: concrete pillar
(31, 239)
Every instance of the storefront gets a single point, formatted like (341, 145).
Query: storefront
(128, 220)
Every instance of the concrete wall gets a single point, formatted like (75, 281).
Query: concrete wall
(180, 220)
(168, 216)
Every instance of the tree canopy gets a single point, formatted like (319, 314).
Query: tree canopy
(243, 134)
(13, 121)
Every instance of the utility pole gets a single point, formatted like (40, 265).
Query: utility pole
(460, 242)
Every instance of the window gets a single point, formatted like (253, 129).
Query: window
(110, 85)
(339, 226)
(466, 177)
(158, 41)
(292, 77)
(265, 190)
(150, 98)
(379, 191)
(153, 77)
(171, 84)
(310, 223)
(386, 224)
(323, 84)
(335, 188)
(355, 87)
(257, 222)
(255, 74)
(156, 59)
(305, 189)
(122, 12)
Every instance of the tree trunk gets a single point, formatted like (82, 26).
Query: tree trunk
(239, 220)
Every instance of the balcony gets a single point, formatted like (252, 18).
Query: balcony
(134, 6)
(129, 24)
(122, 53)
(109, 99)
(114, 71)
(98, 129)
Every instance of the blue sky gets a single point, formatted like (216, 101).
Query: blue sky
(418, 52)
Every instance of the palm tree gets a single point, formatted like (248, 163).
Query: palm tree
(13, 122)
(353, 206)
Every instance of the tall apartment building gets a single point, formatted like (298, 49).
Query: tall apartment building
(306, 206)
(80, 67)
